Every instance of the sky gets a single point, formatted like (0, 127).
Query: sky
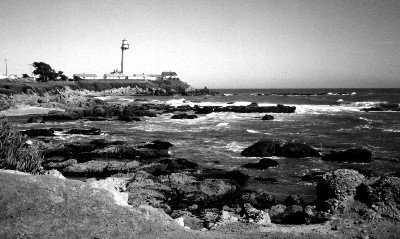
(213, 43)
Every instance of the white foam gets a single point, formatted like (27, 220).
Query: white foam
(253, 131)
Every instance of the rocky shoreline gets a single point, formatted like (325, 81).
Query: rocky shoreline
(203, 198)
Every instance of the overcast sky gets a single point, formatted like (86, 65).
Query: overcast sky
(218, 44)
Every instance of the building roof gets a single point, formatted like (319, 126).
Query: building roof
(114, 75)
(85, 75)
(168, 73)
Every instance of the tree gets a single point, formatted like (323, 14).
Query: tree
(25, 76)
(61, 76)
(45, 72)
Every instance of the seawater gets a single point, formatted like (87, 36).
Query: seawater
(327, 119)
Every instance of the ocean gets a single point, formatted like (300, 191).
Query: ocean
(326, 119)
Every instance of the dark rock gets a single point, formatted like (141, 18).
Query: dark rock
(92, 131)
(259, 199)
(267, 117)
(263, 148)
(157, 144)
(294, 199)
(184, 116)
(349, 155)
(294, 215)
(298, 150)
(262, 164)
(175, 165)
(35, 119)
(253, 104)
(38, 132)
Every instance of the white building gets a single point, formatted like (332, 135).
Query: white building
(169, 75)
(143, 77)
(115, 76)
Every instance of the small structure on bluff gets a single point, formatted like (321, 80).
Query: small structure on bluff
(115, 76)
(169, 75)
(85, 76)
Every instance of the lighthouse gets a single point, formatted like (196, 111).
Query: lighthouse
(124, 46)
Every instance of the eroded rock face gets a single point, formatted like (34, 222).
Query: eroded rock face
(383, 196)
(349, 155)
(263, 148)
(339, 184)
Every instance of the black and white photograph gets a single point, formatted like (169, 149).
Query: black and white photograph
(199, 119)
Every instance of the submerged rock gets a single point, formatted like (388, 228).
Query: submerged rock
(184, 116)
(262, 164)
(267, 117)
(349, 155)
(91, 131)
(38, 132)
(298, 150)
(157, 144)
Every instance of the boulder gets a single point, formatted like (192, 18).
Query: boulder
(91, 131)
(349, 155)
(262, 164)
(298, 150)
(184, 116)
(263, 148)
(339, 184)
(259, 199)
(267, 117)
